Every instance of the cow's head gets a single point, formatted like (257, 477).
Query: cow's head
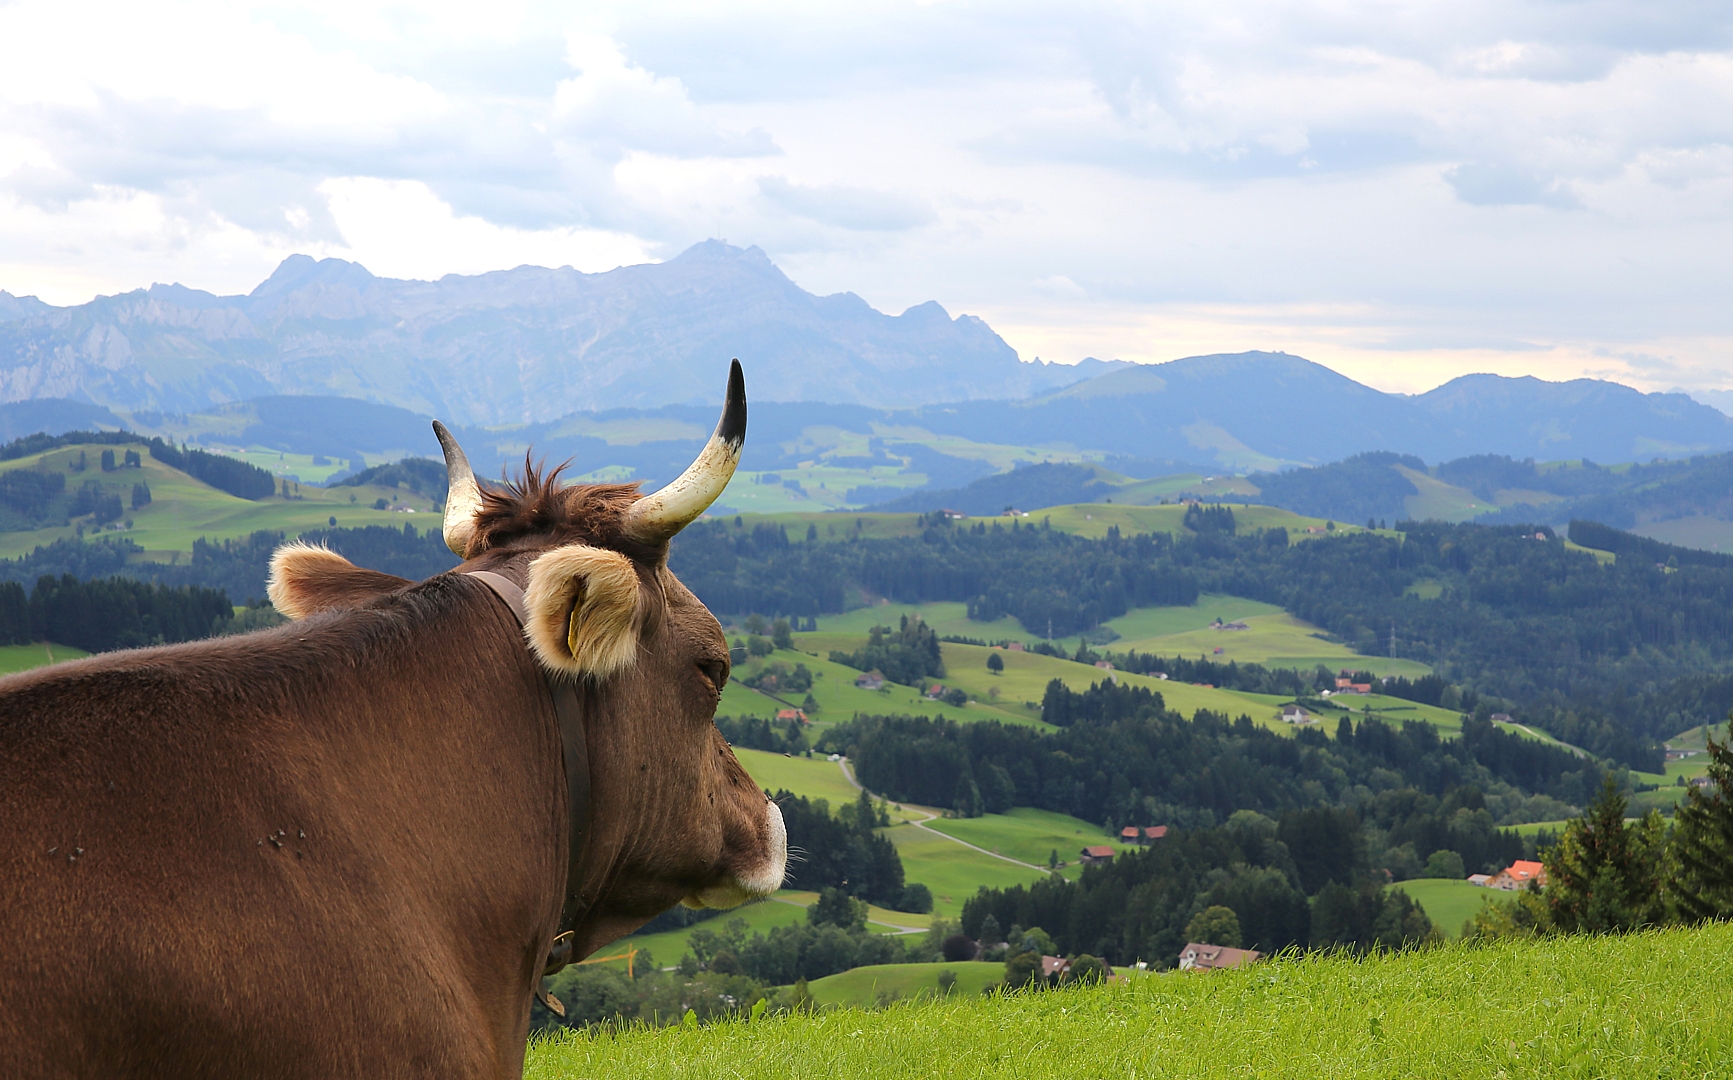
(675, 816)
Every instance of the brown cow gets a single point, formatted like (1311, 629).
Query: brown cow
(339, 848)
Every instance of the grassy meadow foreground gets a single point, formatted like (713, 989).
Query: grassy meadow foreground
(1642, 1005)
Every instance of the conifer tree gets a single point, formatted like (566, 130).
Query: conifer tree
(1702, 885)
(1602, 875)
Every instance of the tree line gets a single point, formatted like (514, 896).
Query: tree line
(1252, 882)
(109, 613)
(1126, 760)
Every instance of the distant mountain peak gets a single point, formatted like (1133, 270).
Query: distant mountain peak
(300, 271)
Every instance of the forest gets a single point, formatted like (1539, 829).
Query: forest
(1302, 881)
(1124, 759)
(1583, 648)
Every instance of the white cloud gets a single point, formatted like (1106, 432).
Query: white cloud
(1394, 189)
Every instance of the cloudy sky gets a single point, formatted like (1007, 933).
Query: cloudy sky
(1403, 191)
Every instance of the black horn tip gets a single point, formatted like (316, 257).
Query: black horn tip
(731, 428)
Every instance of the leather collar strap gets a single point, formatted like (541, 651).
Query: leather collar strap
(570, 719)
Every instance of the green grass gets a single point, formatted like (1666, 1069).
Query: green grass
(15, 658)
(1153, 622)
(1094, 519)
(1643, 1005)
(1029, 835)
(183, 509)
(951, 871)
(839, 698)
(1274, 640)
(812, 778)
(1084, 519)
(1436, 500)
(1448, 902)
(864, 987)
(942, 616)
(1696, 531)
(667, 947)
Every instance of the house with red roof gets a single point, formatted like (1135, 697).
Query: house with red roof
(1517, 875)
(1196, 957)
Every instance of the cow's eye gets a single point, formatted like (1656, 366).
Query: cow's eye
(716, 671)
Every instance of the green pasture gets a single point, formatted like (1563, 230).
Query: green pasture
(1085, 519)
(1094, 519)
(278, 463)
(1600, 556)
(1532, 828)
(1028, 835)
(1448, 902)
(944, 617)
(1153, 622)
(183, 509)
(881, 920)
(1696, 531)
(866, 987)
(15, 658)
(812, 778)
(1274, 639)
(1436, 500)
(1646, 1005)
(951, 871)
(667, 947)
(839, 698)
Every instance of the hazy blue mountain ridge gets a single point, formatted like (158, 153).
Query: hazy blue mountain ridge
(513, 346)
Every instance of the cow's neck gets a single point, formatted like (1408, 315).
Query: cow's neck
(569, 716)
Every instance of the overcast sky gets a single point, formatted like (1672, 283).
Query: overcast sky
(1405, 192)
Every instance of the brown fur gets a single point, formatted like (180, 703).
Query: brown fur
(306, 580)
(535, 504)
(337, 848)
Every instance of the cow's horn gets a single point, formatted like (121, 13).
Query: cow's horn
(655, 518)
(463, 500)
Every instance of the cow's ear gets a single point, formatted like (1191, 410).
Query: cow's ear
(306, 580)
(586, 609)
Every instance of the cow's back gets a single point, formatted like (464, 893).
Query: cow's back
(257, 856)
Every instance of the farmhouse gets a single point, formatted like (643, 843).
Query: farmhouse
(1297, 714)
(1131, 834)
(871, 680)
(1095, 853)
(1195, 957)
(791, 714)
(1518, 874)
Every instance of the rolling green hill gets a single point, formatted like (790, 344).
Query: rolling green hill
(183, 509)
(1449, 903)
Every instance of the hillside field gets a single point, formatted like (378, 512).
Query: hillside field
(1028, 835)
(1642, 1005)
(1449, 903)
(183, 509)
(15, 658)
(864, 987)
(952, 871)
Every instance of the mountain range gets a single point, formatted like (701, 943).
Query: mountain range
(523, 345)
(529, 348)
